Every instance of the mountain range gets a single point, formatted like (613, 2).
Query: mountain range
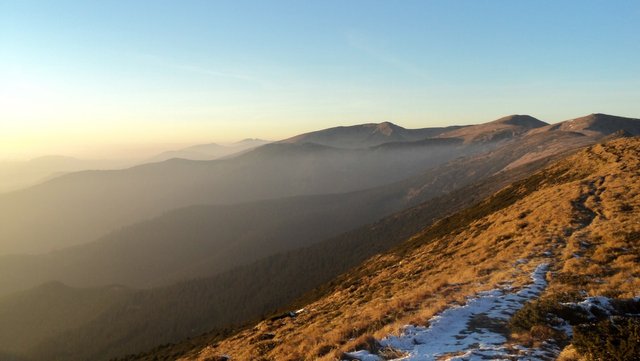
(208, 151)
(80, 207)
(367, 135)
(16, 175)
(537, 271)
(167, 251)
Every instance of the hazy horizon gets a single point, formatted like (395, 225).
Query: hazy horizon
(112, 79)
(135, 152)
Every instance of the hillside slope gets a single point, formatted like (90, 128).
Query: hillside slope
(200, 241)
(147, 318)
(27, 317)
(578, 218)
(503, 128)
(16, 175)
(81, 207)
(594, 124)
(157, 316)
(187, 309)
(144, 319)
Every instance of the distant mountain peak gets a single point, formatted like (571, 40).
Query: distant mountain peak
(602, 123)
(500, 129)
(387, 128)
(365, 135)
(387, 124)
(521, 120)
(597, 117)
(251, 140)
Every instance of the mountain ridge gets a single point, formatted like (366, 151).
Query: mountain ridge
(544, 219)
(366, 135)
(209, 151)
(500, 129)
(307, 211)
(21, 270)
(28, 218)
(596, 123)
(276, 274)
(505, 156)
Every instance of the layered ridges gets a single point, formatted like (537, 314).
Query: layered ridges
(496, 243)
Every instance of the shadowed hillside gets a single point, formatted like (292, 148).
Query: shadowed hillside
(187, 309)
(200, 241)
(80, 207)
(575, 221)
(157, 316)
(35, 315)
(16, 175)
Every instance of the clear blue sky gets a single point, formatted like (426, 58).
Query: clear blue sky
(89, 75)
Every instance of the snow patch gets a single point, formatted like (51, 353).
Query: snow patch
(364, 356)
(597, 306)
(454, 333)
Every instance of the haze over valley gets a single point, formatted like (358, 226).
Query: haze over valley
(231, 181)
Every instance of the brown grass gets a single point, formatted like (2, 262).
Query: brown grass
(581, 214)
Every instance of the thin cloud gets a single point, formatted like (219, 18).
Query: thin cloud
(219, 74)
(209, 72)
(365, 44)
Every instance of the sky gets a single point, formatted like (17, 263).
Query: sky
(108, 78)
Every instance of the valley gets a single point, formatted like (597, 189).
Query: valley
(362, 315)
(205, 265)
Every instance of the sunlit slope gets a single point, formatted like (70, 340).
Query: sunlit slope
(142, 321)
(186, 309)
(148, 318)
(503, 128)
(579, 216)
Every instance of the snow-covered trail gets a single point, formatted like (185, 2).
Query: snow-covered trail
(472, 331)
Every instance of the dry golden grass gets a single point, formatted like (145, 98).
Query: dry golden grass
(583, 217)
